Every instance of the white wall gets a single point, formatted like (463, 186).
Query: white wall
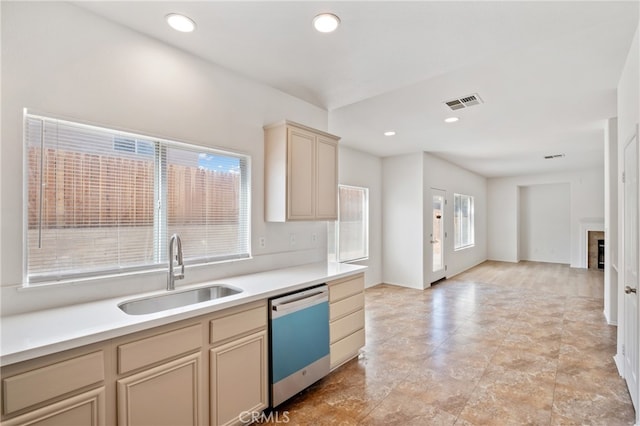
(628, 89)
(587, 211)
(611, 221)
(2, 224)
(406, 217)
(545, 223)
(502, 219)
(61, 60)
(402, 227)
(441, 174)
(359, 168)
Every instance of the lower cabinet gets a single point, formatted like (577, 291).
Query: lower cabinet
(66, 389)
(85, 409)
(239, 372)
(238, 365)
(210, 369)
(165, 395)
(346, 318)
(159, 379)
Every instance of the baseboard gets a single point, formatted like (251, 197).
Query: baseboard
(452, 275)
(619, 360)
(606, 317)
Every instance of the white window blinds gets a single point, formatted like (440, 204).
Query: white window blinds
(351, 232)
(208, 203)
(463, 221)
(101, 201)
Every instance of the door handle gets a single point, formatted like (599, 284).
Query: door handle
(630, 290)
(434, 241)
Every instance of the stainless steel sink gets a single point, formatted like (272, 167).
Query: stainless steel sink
(162, 302)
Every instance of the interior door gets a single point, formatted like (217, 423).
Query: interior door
(437, 236)
(631, 267)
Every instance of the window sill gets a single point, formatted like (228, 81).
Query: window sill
(464, 247)
(152, 273)
(360, 259)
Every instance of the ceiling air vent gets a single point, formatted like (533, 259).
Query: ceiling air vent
(551, 157)
(464, 102)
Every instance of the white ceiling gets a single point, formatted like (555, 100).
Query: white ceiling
(547, 71)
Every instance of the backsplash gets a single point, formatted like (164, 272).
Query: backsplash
(17, 300)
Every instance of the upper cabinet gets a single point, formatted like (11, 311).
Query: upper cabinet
(301, 173)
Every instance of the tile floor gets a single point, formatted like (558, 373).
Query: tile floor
(502, 344)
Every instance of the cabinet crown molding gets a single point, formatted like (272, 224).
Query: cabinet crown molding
(300, 126)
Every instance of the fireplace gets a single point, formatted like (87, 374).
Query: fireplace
(595, 250)
(600, 254)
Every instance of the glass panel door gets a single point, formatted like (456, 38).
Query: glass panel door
(437, 233)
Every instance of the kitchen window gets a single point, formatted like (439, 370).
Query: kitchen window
(463, 227)
(102, 202)
(349, 235)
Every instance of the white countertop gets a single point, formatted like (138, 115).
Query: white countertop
(30, 335)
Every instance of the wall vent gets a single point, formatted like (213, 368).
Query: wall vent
(551, 157)
(464, 102)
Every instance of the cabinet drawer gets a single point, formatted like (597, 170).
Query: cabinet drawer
(239, 323)
(39, 385)
(158, 348)
(345, 288)
(347, 325)
(346, 306)
(86, 409)
(347, 348)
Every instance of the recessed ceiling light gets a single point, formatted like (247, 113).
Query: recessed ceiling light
(390, 133)
(326, 22)
(180, 22)
(451, 119)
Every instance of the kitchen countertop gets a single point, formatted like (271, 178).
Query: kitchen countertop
(34, 334)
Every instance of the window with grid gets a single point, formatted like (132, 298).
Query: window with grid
(463, 226)
(349, 235)
(101, 201)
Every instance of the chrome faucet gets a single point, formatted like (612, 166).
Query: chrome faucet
(175, 240)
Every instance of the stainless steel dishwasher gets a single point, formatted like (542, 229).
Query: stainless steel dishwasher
(299, 341)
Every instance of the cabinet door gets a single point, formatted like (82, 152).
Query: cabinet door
(300, 174)
(239, 379)
(168, 394)
(86, 409)
(327, 179)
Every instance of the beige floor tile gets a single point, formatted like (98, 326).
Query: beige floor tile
(501, 344)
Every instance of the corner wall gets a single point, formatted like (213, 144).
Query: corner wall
(402, 227)
(441, 174)
(611, 221)
(586, 205)
(406, 217)
(545, 223)
(359, 168)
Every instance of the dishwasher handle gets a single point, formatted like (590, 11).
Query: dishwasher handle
(296, 302)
